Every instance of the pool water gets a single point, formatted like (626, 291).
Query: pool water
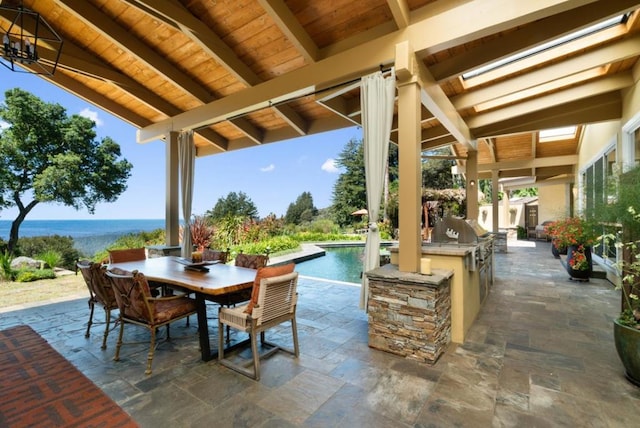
(339, 264)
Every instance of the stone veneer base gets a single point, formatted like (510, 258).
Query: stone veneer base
(409, 313)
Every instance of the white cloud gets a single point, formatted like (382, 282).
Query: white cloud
(330, 166)
(91, 114)
(269, 168)
(3, 125)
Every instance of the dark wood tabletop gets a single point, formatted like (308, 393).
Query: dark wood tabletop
(219, 279)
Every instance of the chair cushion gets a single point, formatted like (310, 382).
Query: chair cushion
(266, 272)
(174, 308)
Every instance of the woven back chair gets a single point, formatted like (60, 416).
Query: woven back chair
(100, 292)
(276, 303)
(137, 306)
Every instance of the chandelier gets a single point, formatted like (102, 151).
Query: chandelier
(28, 41)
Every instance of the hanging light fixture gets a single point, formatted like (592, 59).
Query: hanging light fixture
(28, 41)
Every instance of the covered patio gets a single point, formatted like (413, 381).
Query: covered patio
(541, 353)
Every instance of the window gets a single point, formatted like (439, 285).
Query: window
(546, 46)
(556, 134)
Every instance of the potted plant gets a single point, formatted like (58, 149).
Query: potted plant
(576, 235)
(625, 212)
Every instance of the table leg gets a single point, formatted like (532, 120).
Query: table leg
(203, 328)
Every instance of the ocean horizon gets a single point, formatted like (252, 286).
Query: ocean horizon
(89, 235)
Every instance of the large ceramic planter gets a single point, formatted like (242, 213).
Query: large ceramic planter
(584, 274)
(557, 252)
(627, 341)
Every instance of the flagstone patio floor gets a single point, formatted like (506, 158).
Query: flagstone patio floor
(541, 353)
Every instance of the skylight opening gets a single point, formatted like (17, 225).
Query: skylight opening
(546, 46)
(555, 134)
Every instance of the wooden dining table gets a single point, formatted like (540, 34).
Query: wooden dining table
(205, 281)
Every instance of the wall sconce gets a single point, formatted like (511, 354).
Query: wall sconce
(472, 183)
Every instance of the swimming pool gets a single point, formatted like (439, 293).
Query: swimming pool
(339, 264)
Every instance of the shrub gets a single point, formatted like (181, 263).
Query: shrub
(274, 245)
(51, 257)
(6, 273)
(132, 240)
(63, 245)
(29, 275)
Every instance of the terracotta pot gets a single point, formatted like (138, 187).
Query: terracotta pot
(627, 342)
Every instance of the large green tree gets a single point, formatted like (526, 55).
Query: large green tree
(47, 156)
(233, 205)
(302, 210)
(349, 191)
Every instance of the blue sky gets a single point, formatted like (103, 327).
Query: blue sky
(273, 175)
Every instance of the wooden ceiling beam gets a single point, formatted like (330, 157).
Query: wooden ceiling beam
(589, 110)
(443, 25)
(618, 51)
(529, 164)
(247, 128)
(455, 23)
(77, 60)
(529, 36)
(180, 17)
(289, 25)
(121, 37)
(281, 134)
(437, 102)
(600, 86)
(400, 12)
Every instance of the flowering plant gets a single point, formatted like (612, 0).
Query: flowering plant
(571, 231)
(578, 259)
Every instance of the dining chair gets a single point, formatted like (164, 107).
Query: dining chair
(212, 255)
(100, 292)
(253, 261)
(275, 304)
(127, 255)
(137, 306)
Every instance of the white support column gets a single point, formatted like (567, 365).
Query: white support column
(172, 211)
(472, 185)
(495, 187)
(409, 161)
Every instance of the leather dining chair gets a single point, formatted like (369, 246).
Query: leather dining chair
(100, 293)
(137, 306)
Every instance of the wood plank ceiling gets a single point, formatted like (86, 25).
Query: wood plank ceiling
(250, 72)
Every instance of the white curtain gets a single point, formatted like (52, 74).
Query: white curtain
(377, 97)
(186, 158)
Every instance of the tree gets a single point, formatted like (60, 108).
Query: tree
(47, 156)
(233, 205)
(349, 192)
(436, 173)
(302, 210)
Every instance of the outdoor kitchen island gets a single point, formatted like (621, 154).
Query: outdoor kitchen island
(460, 251)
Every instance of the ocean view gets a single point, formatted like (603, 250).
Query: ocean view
(89, 236)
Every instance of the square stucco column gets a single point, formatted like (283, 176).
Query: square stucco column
(409, 161)
(172, 211)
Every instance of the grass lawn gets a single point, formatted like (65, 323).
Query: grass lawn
(63, 287)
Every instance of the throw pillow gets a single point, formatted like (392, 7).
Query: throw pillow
(266, 272)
